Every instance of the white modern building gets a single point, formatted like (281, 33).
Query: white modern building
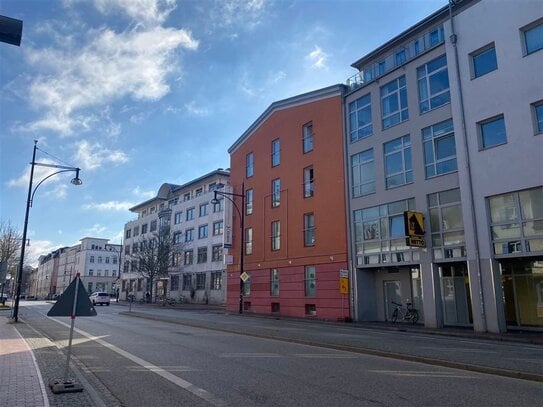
(196, 272)
(446, 119)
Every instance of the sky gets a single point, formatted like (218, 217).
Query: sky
(141, 92)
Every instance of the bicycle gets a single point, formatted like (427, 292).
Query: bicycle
(407, 313)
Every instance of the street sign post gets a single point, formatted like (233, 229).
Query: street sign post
(74, 301)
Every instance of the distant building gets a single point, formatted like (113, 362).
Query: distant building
(447, 119)
(95, 259)
(289, 164)
(196, 271)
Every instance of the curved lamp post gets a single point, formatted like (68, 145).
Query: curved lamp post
(76, 181)
(241, 213)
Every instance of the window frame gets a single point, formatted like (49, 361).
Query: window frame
(537, 119)
(249, 165)
(248, 241)
(537, 24)
(406, 157)
(275, 152)
(424, 79)
(275, 235)
(309, 229)
(432, 139)
(400, 95)
(276, 193)
(360, 132)
(481, 133)
(274, 282)
(307, 137)
(478, 53)
(309, 182)
(249, 196)
(358, 169)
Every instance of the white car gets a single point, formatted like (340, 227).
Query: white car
(99, 297)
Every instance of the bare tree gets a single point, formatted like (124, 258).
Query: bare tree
(154, 257)
(10, 242)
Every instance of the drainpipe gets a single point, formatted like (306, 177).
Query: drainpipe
(453, 39)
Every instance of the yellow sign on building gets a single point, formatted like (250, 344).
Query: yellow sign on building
(414, 228)
(343, 285)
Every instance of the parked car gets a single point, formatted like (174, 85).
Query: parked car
(99, 297)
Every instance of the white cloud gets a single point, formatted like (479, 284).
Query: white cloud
(92, 156)
(244, 14)
(110, 206)
(143, 11)
(194, 110)
(38, 248)
(95, 230)
(107, 67)
(318, 58)
(39, 174)
(138, 192)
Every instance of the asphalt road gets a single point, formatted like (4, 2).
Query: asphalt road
(129, 361)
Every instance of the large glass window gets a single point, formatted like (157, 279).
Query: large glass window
(492, 132)
(380, 234)
(187, 282)
(218, 228)
(439, 148)
(189, 235)
(433, 80)
(203, 209)
(517, 222)
(398, 165)
(275, 235)
(202, 254)
(187, 256)
(216, 280)
(484, 61)
(249, 241)
(276, 153)
(363, 173)
(249, 165)
(177, 219)
(200, 281)
(202, 231)
(276, 192)
(360, 118)
(274, 282)
(216, 253)
(394, 102)
(308, 137)
(447, 224)
(533, 37)
(309, 229)
(308, 182)
(310, 281)
(190, 214)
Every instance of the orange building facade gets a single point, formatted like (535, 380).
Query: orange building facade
(289, 166)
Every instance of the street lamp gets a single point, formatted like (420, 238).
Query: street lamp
(76, 181)
(241, 213)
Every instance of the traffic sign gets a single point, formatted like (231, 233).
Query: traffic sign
(414, 223)
(343, 285)
(64, 307)
(244, 276)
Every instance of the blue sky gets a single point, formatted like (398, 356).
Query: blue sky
(141, 92)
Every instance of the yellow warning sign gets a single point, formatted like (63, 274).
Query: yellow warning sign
(343, 285)
(244, 276)
(414, 223)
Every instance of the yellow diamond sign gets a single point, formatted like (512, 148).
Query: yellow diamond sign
(244, 276)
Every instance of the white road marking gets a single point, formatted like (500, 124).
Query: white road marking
(415, 373)
(250, 355)
(198, 392)
(327, 355)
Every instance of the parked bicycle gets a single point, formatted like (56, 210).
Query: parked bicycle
(407, 313)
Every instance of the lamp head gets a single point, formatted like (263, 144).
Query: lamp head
(76, 180)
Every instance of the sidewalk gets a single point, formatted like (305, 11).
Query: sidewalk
(21, 383)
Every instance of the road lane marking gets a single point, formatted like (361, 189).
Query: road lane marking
(250, 355)
(327, 355)
(195, 390)
(416, 373)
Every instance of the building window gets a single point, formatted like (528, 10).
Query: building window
(153, 225)
(199, 192)
(174, 283)
(533, 37)
(308, 182)
(310, 281)
(276, 153)
(307, 137)
(176, 259)
(274, 282)
(276, 235)
(128, 233)
(177, 218)
(218, 206)
(363, 173)
(537, 109)
(126, 251)
(189, 235)
(144, 229)
(447, 225)
(186, 197)
(202, 255)
(276, 193)
(113, 259)
(249, 165)
(217, 228)
(360, 118)
(247, 285)
(187, 282)
(92, 257)
(190, 214)
(380, 234)
(249, 241)
(516, 221)
(200, 281)
(249, 202)
(492, 132)
(187, 257)
(136, 230)
(177, 237)
(202, 231)
(134, 250)
(99, 259)
(484, 61)
(394, 102)
(398, 166)
(216, 280)
(433, 80)
(309, 229)
(439, 148)
(216, 253)
(203, 209)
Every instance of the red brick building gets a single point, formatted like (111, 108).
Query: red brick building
(290, 163)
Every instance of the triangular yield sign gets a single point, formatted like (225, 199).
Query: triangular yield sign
(65, 304)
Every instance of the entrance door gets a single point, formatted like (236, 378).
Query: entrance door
(392, 293)
(455, 294)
